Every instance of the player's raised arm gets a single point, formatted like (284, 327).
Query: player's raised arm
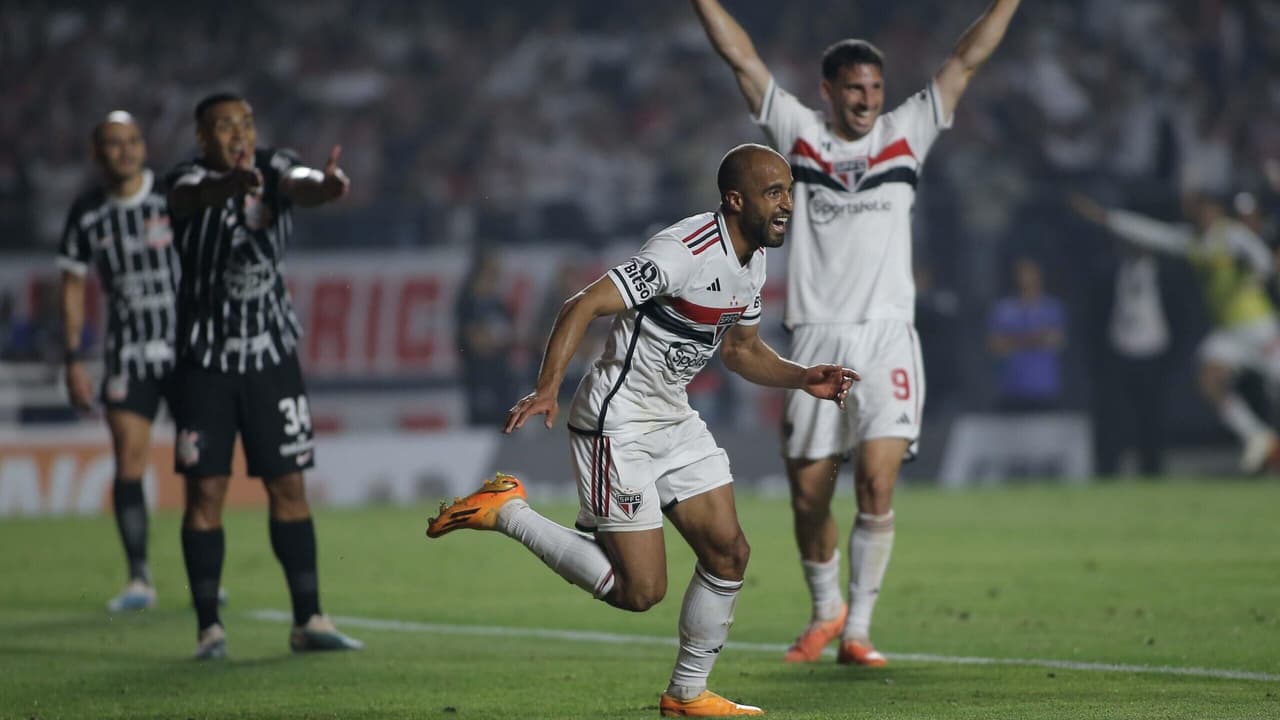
(1138, 229)
(309, 188)
(746, 354)
(735, 46)
(597, 300)
(974, 47)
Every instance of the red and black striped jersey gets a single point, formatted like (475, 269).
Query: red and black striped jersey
(683, 290)
(849, 239)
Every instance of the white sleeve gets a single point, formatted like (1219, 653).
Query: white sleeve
(662, 267)
(1151, 234)
(751, 316)
(186, 174)
(783, 118)
(1244, 243)
(920, 119)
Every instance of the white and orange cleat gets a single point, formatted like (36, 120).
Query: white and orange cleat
(479, 510)
(853, 652)
(707, 704)
(808, 647)
(1261, 452)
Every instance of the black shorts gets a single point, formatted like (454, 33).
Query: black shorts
(268, 408)
(140, 396)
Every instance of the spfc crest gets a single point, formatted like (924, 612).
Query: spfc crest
(726, 321)
(628, 502)
(850, 171)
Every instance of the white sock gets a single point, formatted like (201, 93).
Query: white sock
(824, 587)
(574, 556)
(705, 618)
(1235, 413)
(869, 548)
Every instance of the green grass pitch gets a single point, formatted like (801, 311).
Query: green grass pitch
(1165, 577)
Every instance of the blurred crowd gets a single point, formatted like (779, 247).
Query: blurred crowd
(585, 122)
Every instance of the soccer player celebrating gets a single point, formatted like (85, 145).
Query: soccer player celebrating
(851, 296)
(639, 450)
(1234, 265)
(122, 228)
(238, 369)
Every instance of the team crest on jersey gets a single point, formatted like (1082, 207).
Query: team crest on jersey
(726, 321)
(628, 502)
(850, 171)
(188, 449)
(157, 233)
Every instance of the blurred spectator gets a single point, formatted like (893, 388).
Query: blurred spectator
(486, 337)
(1134, 363)
(1026, 333)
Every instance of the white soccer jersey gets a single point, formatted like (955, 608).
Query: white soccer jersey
(849, 256)
(683, 290)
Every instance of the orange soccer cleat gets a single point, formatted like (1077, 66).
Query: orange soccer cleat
(808, 647)
(479, 510)
(856, 653)
(707, 704)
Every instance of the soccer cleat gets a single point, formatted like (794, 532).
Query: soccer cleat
(137, 595)
(856, 653)
(707, 704)
(479, 510)
(808, 647)
(319, 634)
(1261, 452)
(212, 644)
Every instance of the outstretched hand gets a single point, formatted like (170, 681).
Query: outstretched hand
(335, 182)
(244, 177)
(535, 403)
(1087, 208)
(830, 382)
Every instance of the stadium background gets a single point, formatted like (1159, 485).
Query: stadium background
(503, 153)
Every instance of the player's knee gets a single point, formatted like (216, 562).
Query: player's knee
(808, 504)
(287, 497)
(728, 560)
(639, 596)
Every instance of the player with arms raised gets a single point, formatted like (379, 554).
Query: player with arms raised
(850, 295)
(639, 450)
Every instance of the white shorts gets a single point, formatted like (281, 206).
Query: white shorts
(625, 483)
(1255, 346)
(886, 403)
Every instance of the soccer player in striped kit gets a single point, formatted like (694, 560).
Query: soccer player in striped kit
(121, 228)
(638, 450)
(851, 296)
(238, 371)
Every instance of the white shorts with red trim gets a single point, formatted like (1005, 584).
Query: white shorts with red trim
(886, 403)
(624, 484)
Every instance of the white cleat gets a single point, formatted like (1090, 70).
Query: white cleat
(1260, 451)
(137, 595)
(212, 644)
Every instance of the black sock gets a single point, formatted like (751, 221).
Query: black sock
(294, 542)
(131, 520)
(203, 551)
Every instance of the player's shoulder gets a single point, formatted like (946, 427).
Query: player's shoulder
(278, 159)
(89, 199)
(921, 102)
(694, 234)
(185, 170)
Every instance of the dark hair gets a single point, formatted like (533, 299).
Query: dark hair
(849, 52)
(737, 163)
(215, 99)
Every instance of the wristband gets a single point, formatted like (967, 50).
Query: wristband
(71, 355)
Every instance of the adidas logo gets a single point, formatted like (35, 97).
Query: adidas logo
(715, 286)
(904, 420)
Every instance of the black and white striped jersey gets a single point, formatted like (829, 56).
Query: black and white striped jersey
(234, 311)
(130, 241)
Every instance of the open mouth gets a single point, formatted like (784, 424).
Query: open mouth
(779, 224)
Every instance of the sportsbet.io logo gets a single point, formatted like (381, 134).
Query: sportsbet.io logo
(824, 208)
(685, 358)
(641, 277)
